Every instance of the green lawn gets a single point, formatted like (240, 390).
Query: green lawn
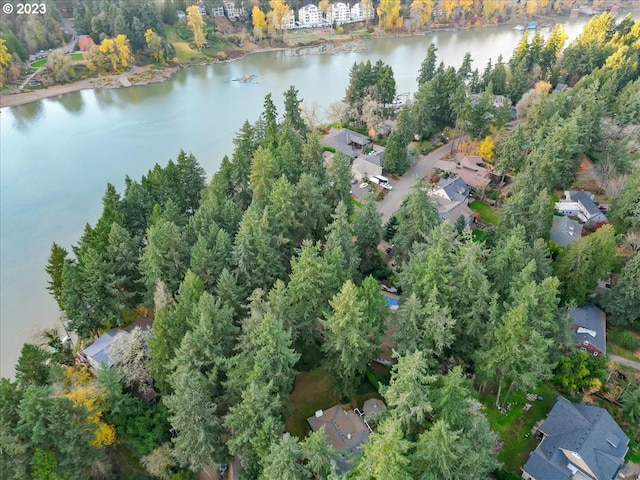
(75, 57)
(487, 213)
(513, 426)
(183, 50)
(312, 392)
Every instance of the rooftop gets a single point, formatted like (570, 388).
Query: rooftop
(590, 325)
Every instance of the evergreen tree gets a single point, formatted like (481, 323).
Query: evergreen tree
(347, 349)
(54, 269)
(339, 235)
(428, 66)
(622, 302)
(368, 231)
(210, 255)
(32, 367)
(292, 110)
(417, 216)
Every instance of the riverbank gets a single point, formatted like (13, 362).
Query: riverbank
(143, 75)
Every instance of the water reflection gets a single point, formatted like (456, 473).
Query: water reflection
(72, 102)
(26, 116)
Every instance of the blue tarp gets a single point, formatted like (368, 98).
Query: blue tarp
(392, 303)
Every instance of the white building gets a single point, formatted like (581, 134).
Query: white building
(360, 12)
(339, 13)
(233, 11)
(309, 16)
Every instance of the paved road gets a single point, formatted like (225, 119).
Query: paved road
(624, 361)
(423, 164)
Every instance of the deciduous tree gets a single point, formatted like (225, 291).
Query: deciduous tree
(389, 14)
(196, 24)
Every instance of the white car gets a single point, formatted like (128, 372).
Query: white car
(386, 186)
(364, 185)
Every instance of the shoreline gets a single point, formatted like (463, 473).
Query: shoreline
(158, 75)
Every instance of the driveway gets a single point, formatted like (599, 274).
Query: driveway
(624, 361)
(421, 167)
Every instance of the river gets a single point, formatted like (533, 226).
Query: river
(57, 154)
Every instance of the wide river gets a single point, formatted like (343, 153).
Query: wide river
(57, 155)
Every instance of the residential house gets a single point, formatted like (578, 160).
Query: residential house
(234, 11)
(452, 197)
(470, 169)
(338, 13)
(581, 204)
(309, 16)
(202, 10)
(580, 442)
(360, 13)
(590, 326)
(181, 14)
(217, 10)
(97, 353)
(347, 430)
(565, 231)
(497, 101)
(346, 141)
(363, 168)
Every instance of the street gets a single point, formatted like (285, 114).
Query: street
(401, 187)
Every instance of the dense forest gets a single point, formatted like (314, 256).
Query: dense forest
(271, 269)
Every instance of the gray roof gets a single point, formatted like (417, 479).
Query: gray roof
(565, 231)
(591, 318)
(343, 140)
(587, 433)
(585, 199)
(456, 189)
(99, 350)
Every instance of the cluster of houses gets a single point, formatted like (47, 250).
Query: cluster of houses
(309, 16)
(367, 159)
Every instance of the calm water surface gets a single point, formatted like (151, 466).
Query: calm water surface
(57, 155)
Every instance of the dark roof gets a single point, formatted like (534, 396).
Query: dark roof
(587, 202)
(456, 189)
(345, 428)
(343, 140)
(588, 434)
(565, 231)
(143, 322)
(591, 318)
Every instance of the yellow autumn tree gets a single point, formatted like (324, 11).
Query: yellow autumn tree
(196, 24)
(542, 86)
(259, 22)
(486, 148)
(367, 10)
(5, 60)
(448, 7)
(532, 7)
(280, 12)
(466, 6)
(323, 6)
(154, 43)
(422, 10)
(82, 390)
(389, 14)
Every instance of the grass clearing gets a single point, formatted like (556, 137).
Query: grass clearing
(75, 57)
(312, 391)
(513, 426)
(487, 213)
(183, 50)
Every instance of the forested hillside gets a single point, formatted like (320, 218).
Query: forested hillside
(271, 268)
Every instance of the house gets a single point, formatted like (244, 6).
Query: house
(338, 13)
(202, 10)
(217, 10)
(97, 353)
(346, 141)
(589, 324)
(580, 204)
(470, 169)
(452, 197)
(347, 430)
(363, 168)
(181, 14)
(234, 11)
(579, 442)
(85, 42)
(309, 16)
(565, 231)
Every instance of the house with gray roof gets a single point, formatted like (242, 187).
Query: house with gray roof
(565, 231)
(590, 326)
(579, 442)
(346, 141)
(452, 190)
(580, 204)
(97, 353)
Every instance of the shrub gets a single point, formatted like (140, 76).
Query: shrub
(627, 339)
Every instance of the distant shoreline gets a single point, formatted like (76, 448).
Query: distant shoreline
(139, 74)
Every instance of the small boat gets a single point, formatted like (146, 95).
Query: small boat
(244, 78)
(532, 25)
(519, 27)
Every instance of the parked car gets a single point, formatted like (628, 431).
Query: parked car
(386, 186)
(364, 185)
